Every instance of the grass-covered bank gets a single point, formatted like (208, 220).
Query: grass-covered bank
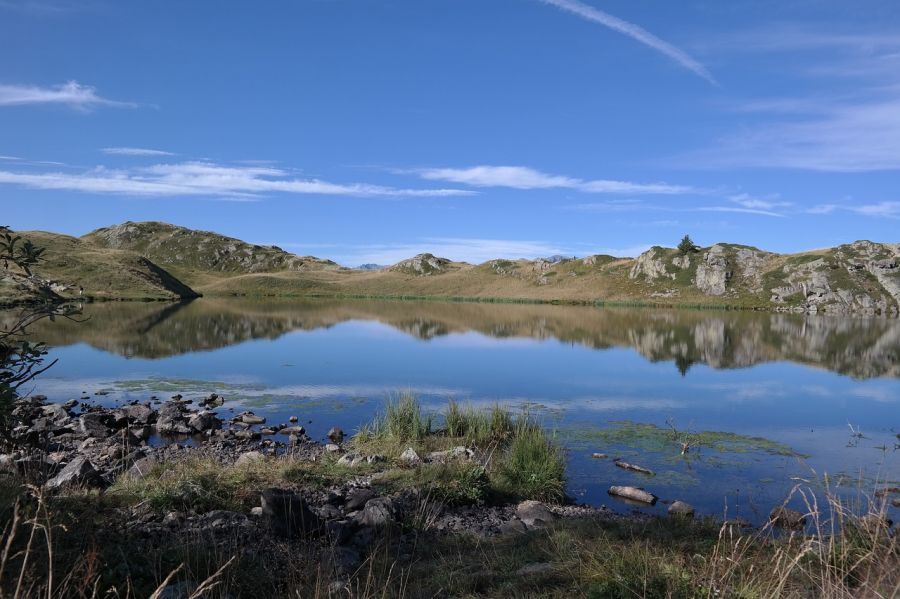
(82, 546)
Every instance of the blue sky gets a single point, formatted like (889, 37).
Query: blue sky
(371, 130)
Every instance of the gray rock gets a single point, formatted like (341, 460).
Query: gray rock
(56, 413)
(633, 494)
(142, 433)
(358, 498)
(378, 513)
(252, 419)
(293, 430)
(204, 421)
(713, 273)
(287, 515)
(456, 453)
(534, 514)
(94, 424)
(410, 457)
(78, 473)
(332, 448)
(681, 509)
(336, 435)
(513, 527)
(139, 414)
(142, 467)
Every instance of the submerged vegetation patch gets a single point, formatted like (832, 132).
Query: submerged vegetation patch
(651, 438)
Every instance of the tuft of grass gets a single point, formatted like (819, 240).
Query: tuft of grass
(477, 426)
(402, 420)
(533, 466)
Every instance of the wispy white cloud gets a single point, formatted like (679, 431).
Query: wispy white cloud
(611, 206)
(635, 32)
(759, 203)
(10, 158)
(878, 209)
(838, 136)
(745, 204)
(851, 123)
(204, 179)
(72, 94)
(135, 152)
(736, 210)
(523, 177)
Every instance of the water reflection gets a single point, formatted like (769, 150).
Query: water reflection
(858, 347)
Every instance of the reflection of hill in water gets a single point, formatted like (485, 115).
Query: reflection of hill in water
(858, 347)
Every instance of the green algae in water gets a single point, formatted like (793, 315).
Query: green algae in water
(164, 385)
(651, 438)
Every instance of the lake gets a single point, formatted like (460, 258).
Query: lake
(794, 399)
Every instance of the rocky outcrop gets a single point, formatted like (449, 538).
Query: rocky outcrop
(713, 272)
(861, 277)
(422, 265)
(651, 265)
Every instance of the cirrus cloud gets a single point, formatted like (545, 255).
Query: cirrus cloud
(119, 151)
(523, 177)
(204, 179)
(71, 93)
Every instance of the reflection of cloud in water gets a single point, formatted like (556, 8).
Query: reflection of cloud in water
(485, 341)
(879, 394)
(745, 391)
(325, 391)
(240, 387)
(589, 404)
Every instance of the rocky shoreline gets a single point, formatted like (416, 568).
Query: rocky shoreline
(77, 446)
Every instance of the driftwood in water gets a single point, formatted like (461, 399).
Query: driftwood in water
(887, 491)
(634, 494)
(634, 467)
(599, 456)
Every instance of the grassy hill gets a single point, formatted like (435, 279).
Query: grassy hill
(200, 257)
(71, 264)
(156, 260)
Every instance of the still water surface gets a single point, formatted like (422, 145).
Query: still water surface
(786, 388)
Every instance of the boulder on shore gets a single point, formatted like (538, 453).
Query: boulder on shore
(634, 494)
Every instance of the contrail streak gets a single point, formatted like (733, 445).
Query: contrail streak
(635, 32)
